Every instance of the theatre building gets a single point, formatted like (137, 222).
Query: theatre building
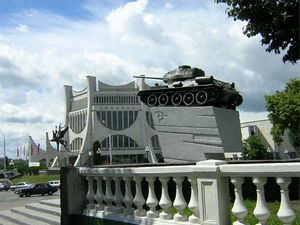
(112, 115)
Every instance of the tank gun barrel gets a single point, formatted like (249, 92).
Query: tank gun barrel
(153, 78)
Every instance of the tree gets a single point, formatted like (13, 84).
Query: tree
(253, 148)
(277, 21)
(284, 108)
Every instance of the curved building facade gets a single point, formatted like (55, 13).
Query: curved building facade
(112, 115)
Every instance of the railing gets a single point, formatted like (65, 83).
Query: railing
(117, 193)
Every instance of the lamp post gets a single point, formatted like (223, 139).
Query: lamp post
(11, 164)
(98, 152)
(147, 150)
(91, 157)
(286, 153)
(109, 140)
(4, 154)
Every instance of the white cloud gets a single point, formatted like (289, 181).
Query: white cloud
(169, 5)
(132, 39)
(22, 28)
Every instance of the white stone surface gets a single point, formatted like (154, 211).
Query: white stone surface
(191, 134)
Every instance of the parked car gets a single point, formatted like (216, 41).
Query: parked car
(54, 183)
(4, 186)
(19, 185)
(35, 189)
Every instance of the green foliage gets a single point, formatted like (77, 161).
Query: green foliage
(284, 108)
(277, 21)
(253, 148)
(36, 178)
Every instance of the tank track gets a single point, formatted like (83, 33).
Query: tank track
(206, 95)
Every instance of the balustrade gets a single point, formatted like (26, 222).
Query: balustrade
(261, 211)
(203, 189)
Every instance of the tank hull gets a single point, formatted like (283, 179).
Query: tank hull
(209, 94)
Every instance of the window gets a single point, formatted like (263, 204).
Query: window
(252, 130)
(120, 120)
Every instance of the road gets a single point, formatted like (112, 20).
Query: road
(8, 199)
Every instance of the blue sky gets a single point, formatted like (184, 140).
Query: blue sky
(45, 44)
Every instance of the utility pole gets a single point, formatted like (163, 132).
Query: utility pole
(4, 154)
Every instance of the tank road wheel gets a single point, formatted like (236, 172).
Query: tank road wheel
(163, 99)
(151, 100)
(176, 99)
(188, 98)
(201, 97)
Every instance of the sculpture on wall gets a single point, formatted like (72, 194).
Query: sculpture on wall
(58, 135)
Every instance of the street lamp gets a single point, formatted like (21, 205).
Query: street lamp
(4, 154)
(11, 164)
(98, 157)
(147, 150)
(109, 140)
(91, 157)
(286, 153)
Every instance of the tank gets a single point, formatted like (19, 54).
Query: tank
(188, 86)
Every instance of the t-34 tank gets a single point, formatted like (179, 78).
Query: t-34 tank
(188, 86)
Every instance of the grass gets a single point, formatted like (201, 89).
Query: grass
(250, 204)
(35, 178)
(273, 208)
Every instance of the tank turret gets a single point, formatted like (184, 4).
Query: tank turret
(188, 86)
(182, 73)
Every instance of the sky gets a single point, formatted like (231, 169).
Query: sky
(46, 44)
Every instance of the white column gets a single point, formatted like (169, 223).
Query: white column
(152, 201)
(179, 202)
(239, 209)
(108, 198)
(261, 211)
(165, 202)
(139, 199)
(213, 193)
(99, 194)
(194, 201)
(128, 198)
(90, 196)
(118, 197)
(285, 212)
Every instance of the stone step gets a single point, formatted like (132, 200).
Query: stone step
(51, 202)
(8, 217)
(36, 215)
(44, 208)
(6, 222)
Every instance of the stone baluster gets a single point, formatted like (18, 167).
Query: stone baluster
(239, 209)
(194, 202)
(261, 211)
(90, 196)
(118, 197)
(99, 194)
(108, 197)
(152, 201)
(128, 198)
(139, 199)
(285, 212)
(179, 202)
(165, 203)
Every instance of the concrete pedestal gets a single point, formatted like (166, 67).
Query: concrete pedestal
(192, 134)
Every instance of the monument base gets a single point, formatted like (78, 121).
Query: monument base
(191, 134)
